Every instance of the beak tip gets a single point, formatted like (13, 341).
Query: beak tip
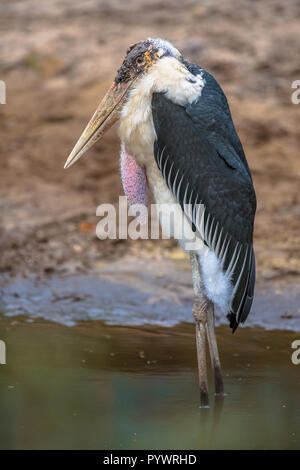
(70, 160)
(103, 118)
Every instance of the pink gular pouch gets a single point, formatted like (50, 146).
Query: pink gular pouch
(134, 184)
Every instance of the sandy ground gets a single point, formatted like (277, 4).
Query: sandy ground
(136, 387)
(57, 59)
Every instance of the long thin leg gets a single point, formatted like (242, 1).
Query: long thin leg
(199, 313)
(214, 353)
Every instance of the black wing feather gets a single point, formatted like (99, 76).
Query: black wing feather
(202, 161)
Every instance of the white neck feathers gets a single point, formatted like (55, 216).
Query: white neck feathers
(166, 75)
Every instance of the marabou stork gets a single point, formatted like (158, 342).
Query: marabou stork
(176, 128)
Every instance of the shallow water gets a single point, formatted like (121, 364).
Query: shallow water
(109, 362)
(96, 386)
(135, 292)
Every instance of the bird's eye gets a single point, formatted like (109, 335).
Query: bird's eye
(140, 60)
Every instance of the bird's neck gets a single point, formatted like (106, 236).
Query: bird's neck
(168, 75)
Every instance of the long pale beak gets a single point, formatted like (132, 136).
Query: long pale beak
(105, 116)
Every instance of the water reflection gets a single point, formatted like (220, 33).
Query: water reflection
(94, 386)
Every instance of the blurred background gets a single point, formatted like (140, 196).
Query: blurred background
(58, 57)
(99, 334)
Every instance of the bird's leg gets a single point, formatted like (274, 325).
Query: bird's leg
(200, 316)
(213, 349)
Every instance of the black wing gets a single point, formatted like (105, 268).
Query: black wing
(203, 162)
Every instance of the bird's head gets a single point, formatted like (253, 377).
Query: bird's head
(139, 60)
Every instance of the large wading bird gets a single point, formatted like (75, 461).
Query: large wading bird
(178, 137)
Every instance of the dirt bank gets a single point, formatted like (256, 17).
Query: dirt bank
(58, 57)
